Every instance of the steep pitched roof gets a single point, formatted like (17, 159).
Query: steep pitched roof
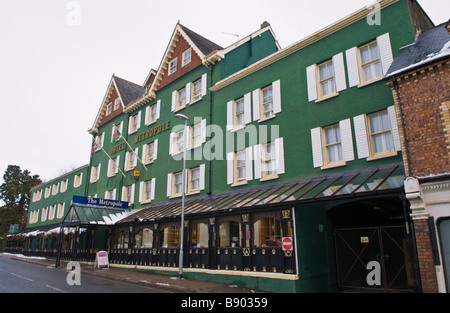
(200, 45)
(430, 46)
(127, 92)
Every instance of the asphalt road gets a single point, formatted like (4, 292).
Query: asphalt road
(23, 277)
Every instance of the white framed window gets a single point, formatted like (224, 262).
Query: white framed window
(100, 140)
(327, 85)
(196, 90)
(55, 189)
(128, 193)
(173, 66)
(77, 180)
(332, 145)
(240, 167)
(64, 185)
(194, 180)
(197, 134)
(239, 113)
(377, 134)
(60, 211)
(134, 123)
(186, 57)
(150, 152)
(51, 212)
(370, 62)
(152, 113)
(267, 101)
(113, 166)
(108, 108)
(147, 191)
(116, 104)
(327, 79)
(131, 159)
(116, 131)
(47, 191)
(177, 142)
(269, 160)
(110, 194)
(95, 173)
(44, 214)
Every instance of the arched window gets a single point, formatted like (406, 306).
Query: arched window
(121, 240)
(267, 232)
(230, 234)
(171, 237)
(144, 238)
(199, 236)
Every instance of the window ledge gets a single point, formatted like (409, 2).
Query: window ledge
(263, 119)
(194, 192)
(366, 83)
(244, 182)
(333, 165)
(332, 95)
(270, 177)
(237, 128)
(382, 155)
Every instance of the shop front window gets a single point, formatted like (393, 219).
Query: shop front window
(144, 238)
(122, 239)
(229, 234)
(171, 237)
(267, 232)
(199, 235)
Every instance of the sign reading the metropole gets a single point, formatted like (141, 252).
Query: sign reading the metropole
(100, 202)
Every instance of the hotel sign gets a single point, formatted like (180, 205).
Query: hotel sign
(100, 202)
(152, 132)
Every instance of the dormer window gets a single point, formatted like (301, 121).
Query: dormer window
(173, 66)
(186, 57)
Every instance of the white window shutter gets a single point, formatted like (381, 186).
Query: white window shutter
(92, 174)
(204, 84)
(110, 163)
(144, 152)
(188, 93)
(141, 191)
(230, 115)
(339, 72)
(187, 137)
(202, 177)
(135, 157)
(257, 158)
(346, 140)
(129, 124)
(203, 130)
(103, 139)
(352, 66)
(384, 45)
(247, 108)
(169, 184)
(316, 140)
(174, 100)
(276, 93)
(132, 193)
(116, 169)
(152, 192)
(394, 128)
(139, 120)
(123, 193)
(312, 84)
(127, 157)
(249, 163)
(362, 143)
(155, 149)
(147, 115)
(230, 168)
(114, 194)
(186, 180)
(256, 104)
(279, 148)
(158, 108)
(171, 139)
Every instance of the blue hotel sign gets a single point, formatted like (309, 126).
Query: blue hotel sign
(100, 202)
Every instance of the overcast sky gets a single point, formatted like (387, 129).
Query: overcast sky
(55, 64)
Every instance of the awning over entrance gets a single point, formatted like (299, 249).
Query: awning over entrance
(350, 184)
(80, 214)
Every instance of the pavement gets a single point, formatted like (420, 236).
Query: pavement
(144, 278)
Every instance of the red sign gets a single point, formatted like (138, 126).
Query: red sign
(287, 244)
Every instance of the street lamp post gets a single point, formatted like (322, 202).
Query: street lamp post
(183, 192)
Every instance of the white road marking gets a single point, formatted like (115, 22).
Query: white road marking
(29, 279)
(54, 288)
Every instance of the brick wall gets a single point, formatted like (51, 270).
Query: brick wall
(425, 256)
(425, 99)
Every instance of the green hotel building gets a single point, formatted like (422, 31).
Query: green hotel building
(294, 166)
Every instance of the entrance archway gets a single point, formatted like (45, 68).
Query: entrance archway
(371, 243)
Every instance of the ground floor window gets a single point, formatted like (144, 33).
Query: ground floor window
(122, 238)
(144, 238)
(230, 234)
(171, 237)
(199, 236)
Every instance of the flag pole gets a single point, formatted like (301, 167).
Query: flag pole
(132, 150)
(113, 161)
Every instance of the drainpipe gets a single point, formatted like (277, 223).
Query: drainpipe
(210, 123)
(408, 160)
